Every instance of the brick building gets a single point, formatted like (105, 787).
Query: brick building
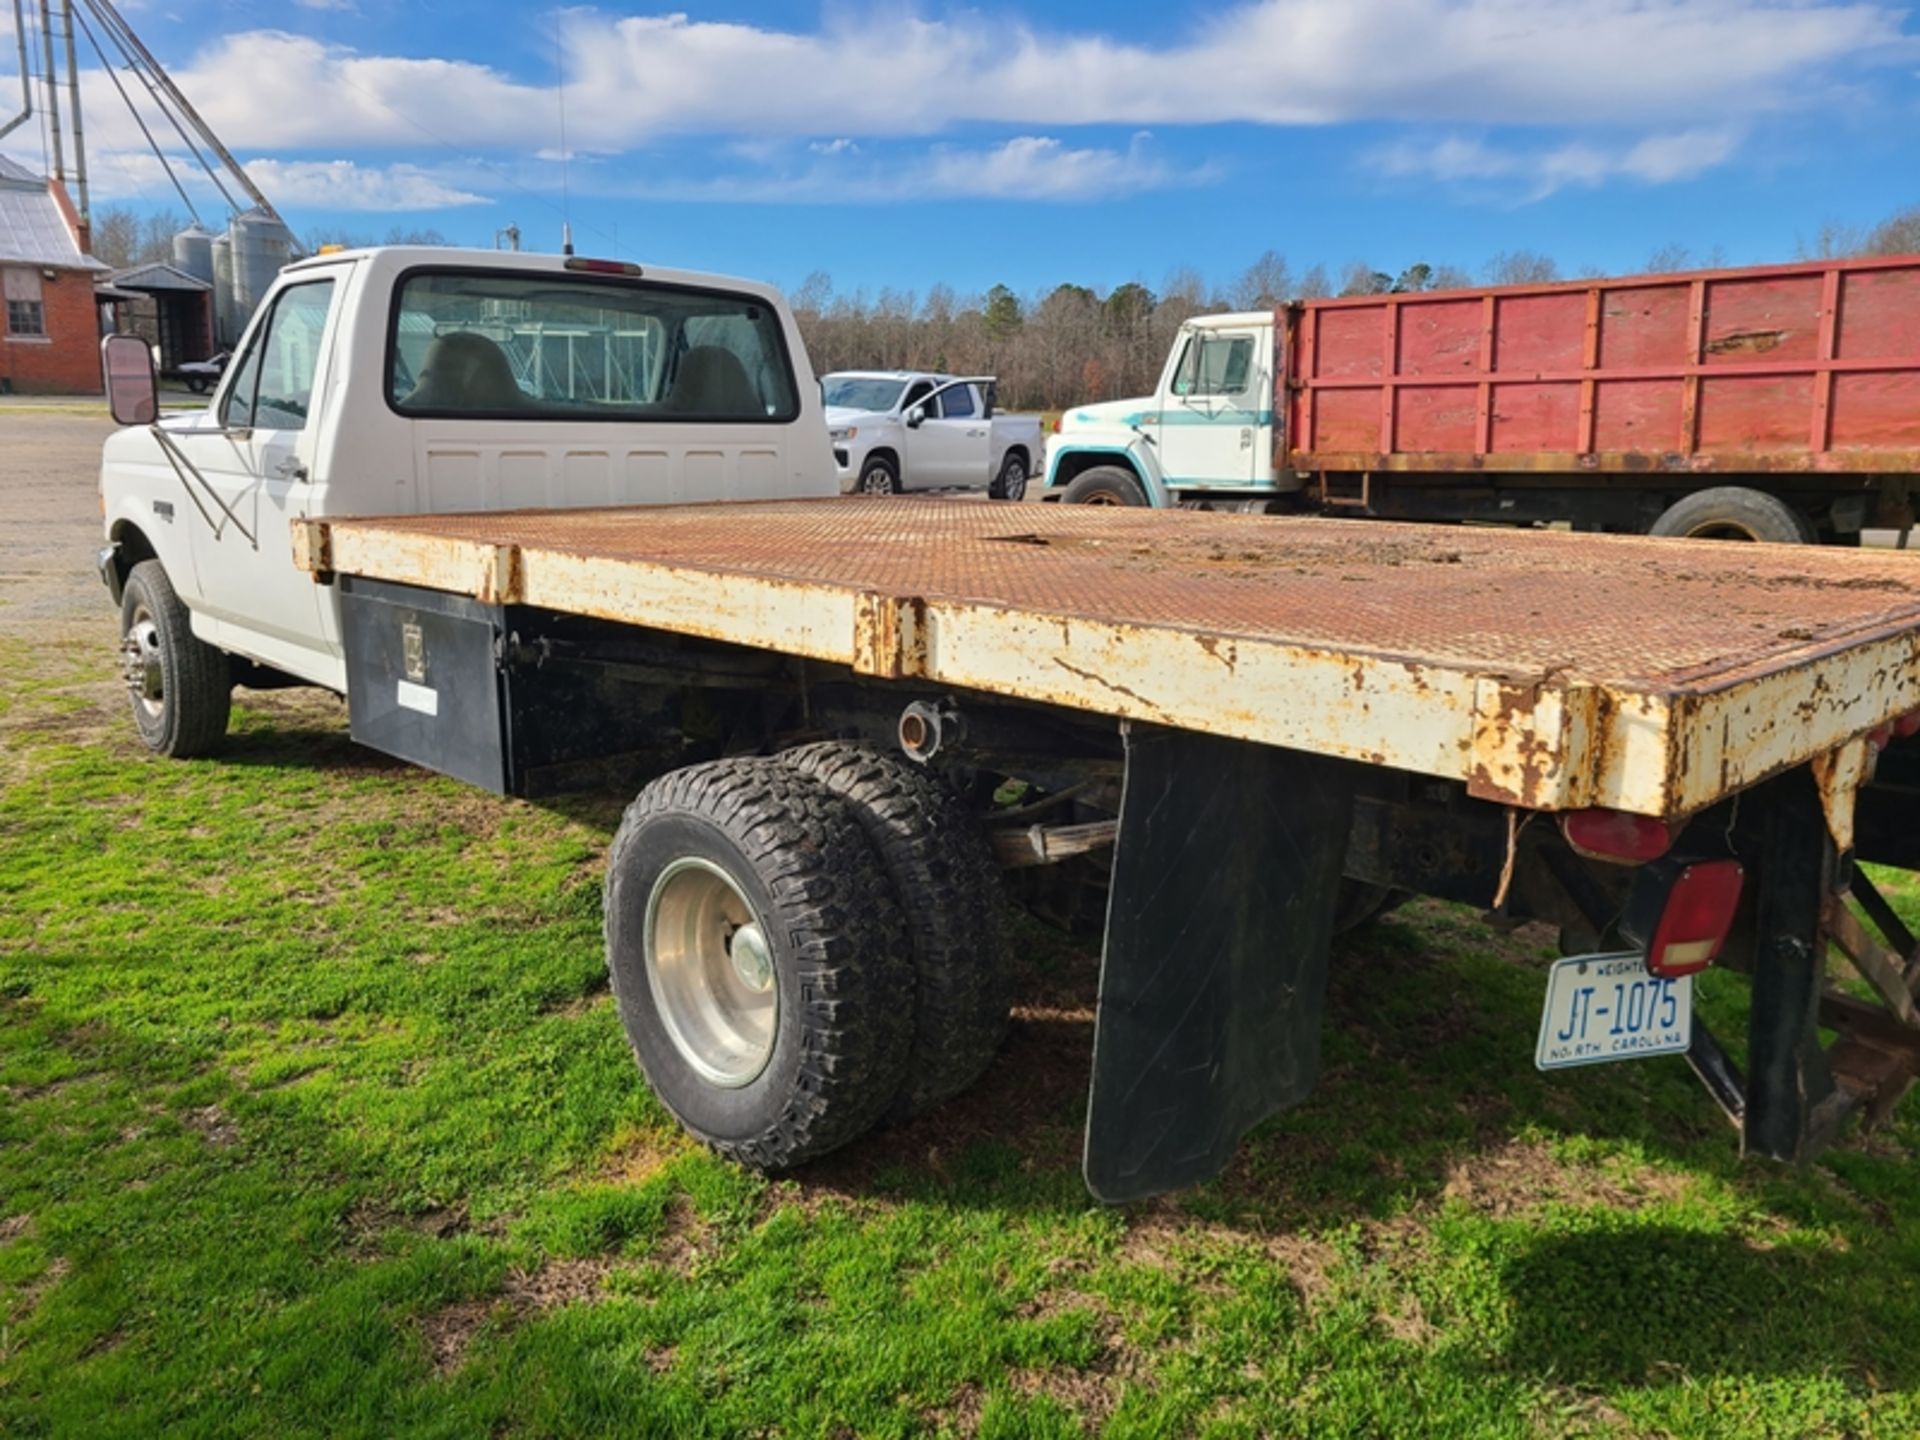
(50, 328)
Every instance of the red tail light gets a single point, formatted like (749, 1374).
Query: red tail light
(1694, 924)
(1616, 835)
(1907, 725)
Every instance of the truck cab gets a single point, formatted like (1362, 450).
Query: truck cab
(1204, 436)
(410, 380)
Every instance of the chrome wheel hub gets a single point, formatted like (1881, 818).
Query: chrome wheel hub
(710, 969)
(140, 663)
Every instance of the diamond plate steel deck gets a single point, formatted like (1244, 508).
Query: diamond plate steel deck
(1545, 669)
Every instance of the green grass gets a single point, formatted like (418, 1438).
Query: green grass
(317, 1121)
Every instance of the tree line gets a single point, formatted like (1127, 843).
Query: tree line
(1071, 344)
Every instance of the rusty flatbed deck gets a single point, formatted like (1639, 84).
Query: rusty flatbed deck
(1548, 670)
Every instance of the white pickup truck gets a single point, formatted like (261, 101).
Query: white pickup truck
(477, 492)
(895, 430)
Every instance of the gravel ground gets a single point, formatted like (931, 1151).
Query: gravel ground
(50, 526)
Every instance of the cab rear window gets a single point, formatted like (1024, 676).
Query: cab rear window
(498, 346)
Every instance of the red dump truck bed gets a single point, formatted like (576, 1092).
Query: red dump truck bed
(1810, 369)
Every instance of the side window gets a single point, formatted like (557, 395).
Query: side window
(1215, 365)
(916, 392)
(273, 388)
(957, 403)
(26, 308)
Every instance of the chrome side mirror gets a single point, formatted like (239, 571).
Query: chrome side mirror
(916, 417)
(133, 394)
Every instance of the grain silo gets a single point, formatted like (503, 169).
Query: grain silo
(193, 253)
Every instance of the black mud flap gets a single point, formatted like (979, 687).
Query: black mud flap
(1213, 983)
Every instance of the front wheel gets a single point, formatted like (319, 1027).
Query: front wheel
(879, 476)
(762, 970)
(180, 686)
(1011, 482)
(197, 384)
(1105, 485)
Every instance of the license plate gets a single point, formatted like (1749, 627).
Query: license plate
(1608, 1007)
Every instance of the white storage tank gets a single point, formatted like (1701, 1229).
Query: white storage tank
(261, 246)
(193, 253)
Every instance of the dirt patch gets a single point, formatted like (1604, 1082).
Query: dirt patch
(1164, 1241)
(368, 1224)
(639, 1155)
(1089, 1394)
(13, 1227)
(580, 1006)
(961, 1413)
(450, 1331)
(210, 1122)
(1521, 1176)
(682, 1241)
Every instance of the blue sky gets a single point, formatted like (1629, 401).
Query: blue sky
(901, 147)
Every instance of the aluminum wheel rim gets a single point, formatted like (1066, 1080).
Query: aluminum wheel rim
(1015, 484)
(1100, 497)
(877, 481)
(140, 665)
(710, 969)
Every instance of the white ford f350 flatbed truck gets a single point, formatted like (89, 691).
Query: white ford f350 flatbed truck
(542, 518)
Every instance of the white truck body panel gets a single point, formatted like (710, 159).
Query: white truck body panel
(357, 454)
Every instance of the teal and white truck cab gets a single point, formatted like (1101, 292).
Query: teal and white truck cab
(1204, 437)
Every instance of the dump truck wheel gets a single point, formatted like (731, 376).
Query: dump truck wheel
(181, 687)
(1733, 512)
(761, 967)
(1011, 482)
(948, 887)
(1105, 485)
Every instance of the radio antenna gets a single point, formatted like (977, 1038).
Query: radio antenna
(566, 199)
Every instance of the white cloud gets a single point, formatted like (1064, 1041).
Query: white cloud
(345, 185)
(1027, 168)
(634, 79)
(1537, 173)
(290, 184)
(1669, 85)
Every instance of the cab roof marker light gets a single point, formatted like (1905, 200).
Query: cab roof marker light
(600, 267)
(1694, 923)
(1616, 836)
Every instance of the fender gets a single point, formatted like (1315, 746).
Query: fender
(1138, 455)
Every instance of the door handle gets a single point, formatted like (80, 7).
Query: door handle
(975, 434)
(290, 469)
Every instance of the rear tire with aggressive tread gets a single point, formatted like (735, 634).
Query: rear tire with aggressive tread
(840, 966)
(948, 887)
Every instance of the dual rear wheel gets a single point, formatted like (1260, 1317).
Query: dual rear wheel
(804, 947)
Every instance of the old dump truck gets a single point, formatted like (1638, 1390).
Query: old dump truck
(1773, 403)
(859, 711)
